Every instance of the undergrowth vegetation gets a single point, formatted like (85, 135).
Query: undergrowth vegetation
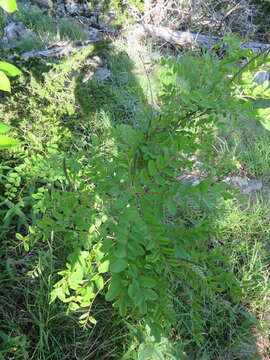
(106, 253)
(40, 29)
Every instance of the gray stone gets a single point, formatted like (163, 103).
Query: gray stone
(95, 61)
(239, 181)
(100, 75)
(60, 11)
(191, 178)
(244, 185)
(255, 185)
(73, 8)
(13, 34)
(261, 77)
(196, 182)
(93, 33)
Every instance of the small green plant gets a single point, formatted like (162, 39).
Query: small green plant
(6, 70)
(123, 212)
(98, 190)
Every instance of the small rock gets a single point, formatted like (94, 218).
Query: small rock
(191, 178)
(196, 182)
(73, 8)
(244, 185)
(13, 34)
(95, 61)
(60, 11)
(86, 10)
(261, 77)
(93, 33)
(100, 75)
(237, 180)
(255, 185)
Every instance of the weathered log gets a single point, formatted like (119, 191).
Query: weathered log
(63, 50)
(60, 48)
(188, 39)
(181, 38)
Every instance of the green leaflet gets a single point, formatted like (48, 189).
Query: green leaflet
(8, 5)
(115, 288)
(4, 127)
(134, 249)
(98, 281)
(152, 168)
(147, 281)
(172, 207)
(104, 267)
(144, 177)
(123, 306)
(134, 289)
(9, 69)
(7, 142)
(149, 352)
(4, 82)
(150, 294)
(145, 352)
(118, 266)
(76, 277)
(121, 251)
(122, 201)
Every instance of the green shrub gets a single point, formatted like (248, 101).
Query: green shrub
(98, 181)
(122, 211)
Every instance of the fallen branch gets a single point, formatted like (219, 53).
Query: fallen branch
(173, 36)
(61, 48)
(64, 50)
(187, 39)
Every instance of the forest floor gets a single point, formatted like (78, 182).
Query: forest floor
(57, 107)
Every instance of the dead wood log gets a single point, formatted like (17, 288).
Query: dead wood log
(187, 39)
(61, 48)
